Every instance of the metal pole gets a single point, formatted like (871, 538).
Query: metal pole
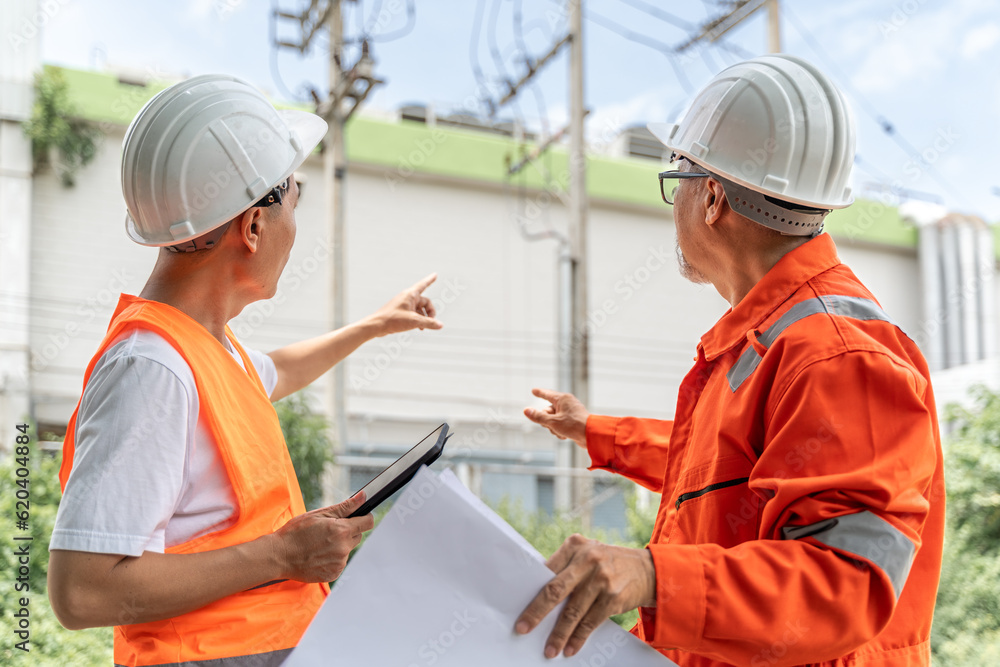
(773, 27)
(929, 254)
(952, 276)
(968, 290)
(987, 292)
(334, 161)
(565, 451)
(578, 237)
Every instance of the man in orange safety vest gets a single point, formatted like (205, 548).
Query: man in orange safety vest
(182, 523)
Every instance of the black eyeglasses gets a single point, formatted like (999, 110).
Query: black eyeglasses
(669, 198)
(276, 195)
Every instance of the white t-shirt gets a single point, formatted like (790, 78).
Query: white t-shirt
(147, 474)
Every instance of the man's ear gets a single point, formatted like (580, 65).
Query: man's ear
(715, 201)
(249, 225)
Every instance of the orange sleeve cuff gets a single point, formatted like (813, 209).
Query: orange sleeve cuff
(601, 441)
(678, 620)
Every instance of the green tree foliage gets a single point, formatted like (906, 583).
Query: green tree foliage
(966, 627)
(56, 134)
(51, 644)
(307, 435)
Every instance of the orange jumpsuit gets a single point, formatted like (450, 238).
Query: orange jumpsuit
(802, 511)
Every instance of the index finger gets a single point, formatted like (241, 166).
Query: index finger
(361, 524)
(548, 394)
(421, 285)
(552, 593)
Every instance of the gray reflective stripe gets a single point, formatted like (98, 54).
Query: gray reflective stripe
(867, 536)
(854, 307)
(269, 659)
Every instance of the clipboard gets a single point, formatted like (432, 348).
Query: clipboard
(403, 469)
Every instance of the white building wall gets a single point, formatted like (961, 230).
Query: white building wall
(893, 276)
(496, 292)
(499, 336)
(80, 261)
(19, 57)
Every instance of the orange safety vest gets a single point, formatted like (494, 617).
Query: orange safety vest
(259, 626)
(802, 510)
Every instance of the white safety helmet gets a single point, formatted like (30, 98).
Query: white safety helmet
(779, 134)
(203, 151)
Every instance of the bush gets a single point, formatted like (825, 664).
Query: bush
(51, 645)
(309, 445)
(54, 131)
(966, 628)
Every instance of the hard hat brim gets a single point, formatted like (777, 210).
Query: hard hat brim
(664, 133)
(310, 129)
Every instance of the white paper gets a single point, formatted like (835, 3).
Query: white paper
(441, 582)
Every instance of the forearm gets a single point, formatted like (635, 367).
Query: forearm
(299, 364)
(632, 447)
(93, 590)
(733, 604)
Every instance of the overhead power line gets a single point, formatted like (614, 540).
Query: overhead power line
(517, 17)
(663, 15)
(739, 11)
(645, 40)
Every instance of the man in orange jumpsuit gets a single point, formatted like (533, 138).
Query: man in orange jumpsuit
(802, 484)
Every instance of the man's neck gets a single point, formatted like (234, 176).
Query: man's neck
(196, 289)
(745, 266)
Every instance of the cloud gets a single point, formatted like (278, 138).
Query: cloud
(979, 40)
(198, 9)
(917, 41)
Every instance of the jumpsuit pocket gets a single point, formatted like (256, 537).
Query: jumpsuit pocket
(721, 511)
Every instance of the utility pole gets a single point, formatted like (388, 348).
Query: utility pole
(579, 352)
(739, 11)
(773, 27)
(334, 166)
(572, 491)
(347, 90)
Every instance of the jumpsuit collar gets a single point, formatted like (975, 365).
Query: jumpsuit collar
(792, 271)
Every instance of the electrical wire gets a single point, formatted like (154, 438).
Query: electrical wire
(639, 38)
(536, 91)
(482, 85)
(411, 22)
(673, 19)
(498, 59)
(276, 76)
(663, 15)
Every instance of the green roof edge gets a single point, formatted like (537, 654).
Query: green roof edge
(407, 147)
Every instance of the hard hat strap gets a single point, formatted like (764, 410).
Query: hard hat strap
(788, 218)
(206, 241)
(276, 195)
(210, 239)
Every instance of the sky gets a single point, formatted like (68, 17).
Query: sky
(921, 75)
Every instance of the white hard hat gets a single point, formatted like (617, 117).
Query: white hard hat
(778, 129)
(203, 151)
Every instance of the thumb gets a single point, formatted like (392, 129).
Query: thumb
(344, 509)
